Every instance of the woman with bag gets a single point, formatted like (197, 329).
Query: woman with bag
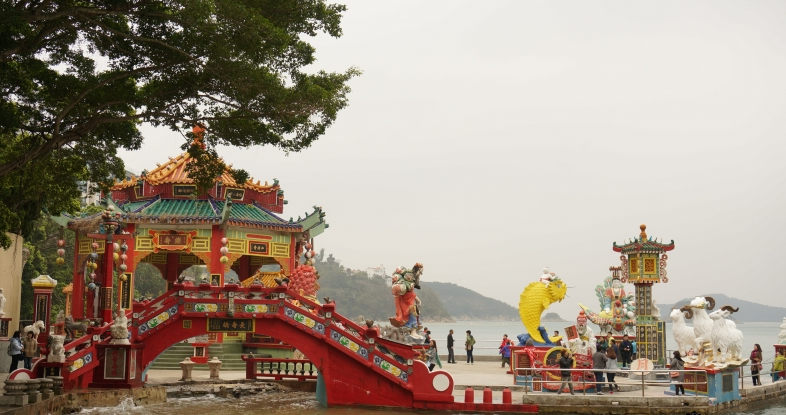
(611, 368)
(756, 364)
(677, 376)
(15, 350)
(469, 345)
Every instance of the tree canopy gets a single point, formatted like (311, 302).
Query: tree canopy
(77, 79)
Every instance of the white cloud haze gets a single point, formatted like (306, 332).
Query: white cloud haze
(490, 139)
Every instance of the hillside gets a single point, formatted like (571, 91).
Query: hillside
(749, 311)
(356, 294)
(465, 304)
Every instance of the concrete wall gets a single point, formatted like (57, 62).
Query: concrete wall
(11, 278)
(11, 282)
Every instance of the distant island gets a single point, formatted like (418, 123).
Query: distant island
(552, 318)
(358, 294)
(749, 311)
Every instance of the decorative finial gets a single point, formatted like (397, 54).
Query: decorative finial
(643, 234)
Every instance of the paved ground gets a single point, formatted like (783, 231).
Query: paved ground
(477, 375)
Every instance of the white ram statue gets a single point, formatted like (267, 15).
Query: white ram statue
(726, 339)
(702, 324)
(683, 333)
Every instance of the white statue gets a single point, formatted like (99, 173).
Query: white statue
(36, 328)
(782, 334)
(119, 328)
(726, 339)
(2, 303)
(586, 343)
(655, 310)
(547, 276)
(56, 350)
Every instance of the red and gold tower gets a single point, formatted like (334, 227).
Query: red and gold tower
(643, 263)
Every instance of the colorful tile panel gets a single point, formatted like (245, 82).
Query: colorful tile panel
(304, 320)
(391, 368)
(155, 321)
(81, 362)
(349, 344)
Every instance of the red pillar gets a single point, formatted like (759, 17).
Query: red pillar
(106, 290)
(171, 267)
(216, 267)
(245, 267)
(78, 294)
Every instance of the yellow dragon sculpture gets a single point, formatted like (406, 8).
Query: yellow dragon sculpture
(535, 299)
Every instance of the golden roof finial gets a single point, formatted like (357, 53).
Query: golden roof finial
(643, 235)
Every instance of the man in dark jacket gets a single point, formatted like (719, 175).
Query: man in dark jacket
(566, 362)
(599, 360)
(451, 356)
(626, 351)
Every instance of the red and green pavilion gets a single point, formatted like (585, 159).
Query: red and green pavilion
(160, 219)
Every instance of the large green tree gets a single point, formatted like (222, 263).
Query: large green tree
(78, 77)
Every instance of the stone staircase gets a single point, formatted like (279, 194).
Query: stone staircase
(228, 353)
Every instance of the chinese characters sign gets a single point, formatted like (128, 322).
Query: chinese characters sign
(258, 247)
(172, 240)
(230, 324)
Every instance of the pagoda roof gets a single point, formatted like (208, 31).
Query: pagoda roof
(643, 244)
(174, 172)
(211, 211)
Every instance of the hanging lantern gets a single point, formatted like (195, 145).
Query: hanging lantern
(224, 260)
(94, 245)
(60, 261)
(124, 247)
(123, 267)
(123, 277)
(61, 243)
(224, 241)
(116, 246)
(116, 256)
(123, 257)
(224, 250)
(91, 286)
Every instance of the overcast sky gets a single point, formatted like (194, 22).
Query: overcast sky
(490, 139)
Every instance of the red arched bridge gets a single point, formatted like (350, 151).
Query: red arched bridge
(355, 365)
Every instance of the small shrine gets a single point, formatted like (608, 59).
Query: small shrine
(161, 218)
(643, 263)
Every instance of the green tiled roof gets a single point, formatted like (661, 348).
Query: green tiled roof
(645, 245)
(251, 212)
(180, 208)
(132, 206)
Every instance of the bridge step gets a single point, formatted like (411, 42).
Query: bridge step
(229, 354)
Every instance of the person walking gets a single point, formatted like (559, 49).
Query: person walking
(634, 349)
(611, 368)
(777, 365)
(433, 356)
(756, 356)
(30, 346)
(505, 352)
(677, 375)
(451, 356)
(626, 350)
(427, 333)
(470, 345)
(15, 349)
(566, 362)
(599, 360)
(501, 345)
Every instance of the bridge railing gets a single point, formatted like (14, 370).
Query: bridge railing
(279, 369)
